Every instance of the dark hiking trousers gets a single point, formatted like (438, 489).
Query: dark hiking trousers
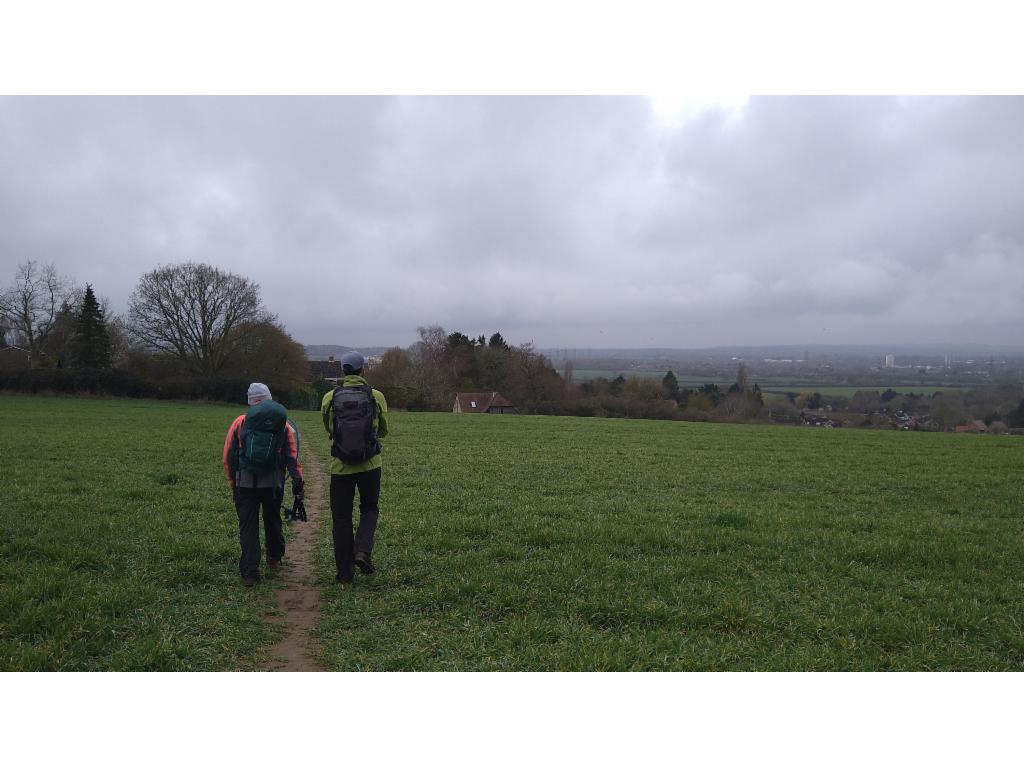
(247, 503)
(343, 491)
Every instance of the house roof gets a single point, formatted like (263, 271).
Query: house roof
(479, 402)
(500, 401)
(974, 426)
(329, 369)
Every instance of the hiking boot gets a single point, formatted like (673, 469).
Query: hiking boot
(251, 579)
(343, 579)
(273, 562)
(363, 562)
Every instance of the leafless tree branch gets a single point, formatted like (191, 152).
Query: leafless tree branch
(195, 312)
(31, 305)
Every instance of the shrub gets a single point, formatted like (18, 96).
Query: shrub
(120, 383)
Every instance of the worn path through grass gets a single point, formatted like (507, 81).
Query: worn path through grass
(297, 596)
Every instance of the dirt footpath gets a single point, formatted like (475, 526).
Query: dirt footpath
(298, 599)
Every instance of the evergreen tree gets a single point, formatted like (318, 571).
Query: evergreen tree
(713, 392)
(671, 385)
(1016, 417)
(90, 347)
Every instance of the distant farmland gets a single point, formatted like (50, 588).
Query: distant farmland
(767, 383)
(585, 374)
(522, 543)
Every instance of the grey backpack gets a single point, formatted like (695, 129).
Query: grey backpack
(353, 439)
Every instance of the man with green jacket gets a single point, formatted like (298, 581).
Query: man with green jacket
(355, 416)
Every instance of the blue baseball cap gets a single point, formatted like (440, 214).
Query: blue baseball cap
(352, 361)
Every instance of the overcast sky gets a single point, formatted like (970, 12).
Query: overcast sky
(563, 221)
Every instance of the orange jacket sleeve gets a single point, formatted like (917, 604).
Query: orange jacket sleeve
(230, 455)
(291, 453)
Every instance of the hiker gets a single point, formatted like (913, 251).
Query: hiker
(259, 447)
(355, 416)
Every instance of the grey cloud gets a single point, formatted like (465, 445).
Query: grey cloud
(568, 221)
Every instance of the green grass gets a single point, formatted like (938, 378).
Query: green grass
(119, 541)
(588, 544)
(523, 543)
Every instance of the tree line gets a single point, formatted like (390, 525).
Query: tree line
(190, 328)
(193, 330)
(426, 375)
(943, 410)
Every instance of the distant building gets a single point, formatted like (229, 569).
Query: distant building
(975, 426)
(329, 369)
(890, 361)
(818, 419)
(482, 402)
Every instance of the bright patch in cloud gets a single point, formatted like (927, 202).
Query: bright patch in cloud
(674, 109)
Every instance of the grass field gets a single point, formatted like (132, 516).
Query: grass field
(118, 540)
(523, 543)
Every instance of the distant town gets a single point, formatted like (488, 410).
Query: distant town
(974, 389)
(846, 366)
(837, 366)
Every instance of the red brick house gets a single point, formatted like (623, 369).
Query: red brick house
(975, 426)
(482, 402)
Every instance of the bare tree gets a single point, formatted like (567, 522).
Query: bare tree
(741, 377)
(738, 406)
(396, 376)
(30, 307)
(196, 313)
(433, 345)
(429, 356)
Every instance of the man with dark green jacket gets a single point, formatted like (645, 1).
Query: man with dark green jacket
(355, 417)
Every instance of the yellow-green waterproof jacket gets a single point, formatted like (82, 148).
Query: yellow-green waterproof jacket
(380, 426)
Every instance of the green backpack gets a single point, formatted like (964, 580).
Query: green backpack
(261, 437)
